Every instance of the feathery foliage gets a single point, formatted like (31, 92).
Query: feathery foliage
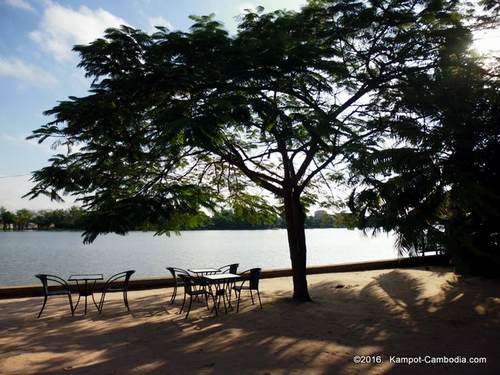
(179, 121)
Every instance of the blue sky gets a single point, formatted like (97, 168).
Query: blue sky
(38, 68)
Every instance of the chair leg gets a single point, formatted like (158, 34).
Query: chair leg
(215, 305)
(260, 302)
(174, 294)
(238, 303)
(76, 304)
(189, 307)
(43, 306)
(183, 303)
(71, 305)
(206, 302)
(125, 299)
(101, 302)
(224, 300)
(251, 295)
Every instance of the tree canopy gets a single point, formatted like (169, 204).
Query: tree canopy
(438, 187)
(178, 121)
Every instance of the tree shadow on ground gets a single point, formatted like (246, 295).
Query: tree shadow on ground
(393, 314)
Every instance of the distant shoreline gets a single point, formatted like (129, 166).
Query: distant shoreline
(171, 231)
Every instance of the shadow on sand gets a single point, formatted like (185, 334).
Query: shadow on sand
(393, 314)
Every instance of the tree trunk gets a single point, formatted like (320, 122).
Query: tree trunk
(295, 216)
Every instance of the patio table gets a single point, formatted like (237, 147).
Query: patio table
(200, 272)
(222, 282)
(86, 285)
(204, 271)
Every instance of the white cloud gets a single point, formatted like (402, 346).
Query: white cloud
(158, 21)
(20, 4)
(25, 72)
(61, 28)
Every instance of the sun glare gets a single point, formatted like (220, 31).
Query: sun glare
(488, 42)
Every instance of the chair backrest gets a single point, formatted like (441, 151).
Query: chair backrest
(45, 278)
(229, 268)
(177, 271)
(188, 283)
(254, 278)
(125, 276)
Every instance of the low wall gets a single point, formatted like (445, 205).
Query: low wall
(165, 282)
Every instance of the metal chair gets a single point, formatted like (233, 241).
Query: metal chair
(123, 278)
(178, 282)
(190, 289)
(44, 278)
(229, 268)
(251, 276)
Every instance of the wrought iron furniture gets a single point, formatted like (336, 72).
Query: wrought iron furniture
(190, 290)
(230, 268)
(222, 282)
(65, 291)
(178, 282)
(85, 284)
(117, 283)
(251, 277)
(200, 272)
(204, 271)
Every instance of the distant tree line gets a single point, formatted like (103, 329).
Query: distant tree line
(75, 218)
(72, 218)
(227, 219)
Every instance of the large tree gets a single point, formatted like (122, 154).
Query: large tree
(6, 217)
(438, 186)
(177, 121)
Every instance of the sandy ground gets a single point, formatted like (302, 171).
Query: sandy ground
(414, 312)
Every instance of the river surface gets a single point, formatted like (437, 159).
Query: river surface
(24, 254)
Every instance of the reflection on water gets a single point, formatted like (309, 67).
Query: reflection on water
(24, 254)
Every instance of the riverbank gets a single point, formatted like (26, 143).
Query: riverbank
(408, 312)
(163, 282)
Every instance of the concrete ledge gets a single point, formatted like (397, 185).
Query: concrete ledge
(165, 282)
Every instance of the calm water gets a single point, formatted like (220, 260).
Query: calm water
(24, 254)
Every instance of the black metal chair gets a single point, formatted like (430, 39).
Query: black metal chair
(110, 287)
(251, 276)
(190, 283)
(230, 268)
(178, 282)
(45, 279)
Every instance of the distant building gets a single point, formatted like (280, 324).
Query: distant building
(6, 226)
(31, 226)
(319, 214)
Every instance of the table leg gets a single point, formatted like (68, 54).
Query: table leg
(86, 294)
(221, 292)
(228, 294)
